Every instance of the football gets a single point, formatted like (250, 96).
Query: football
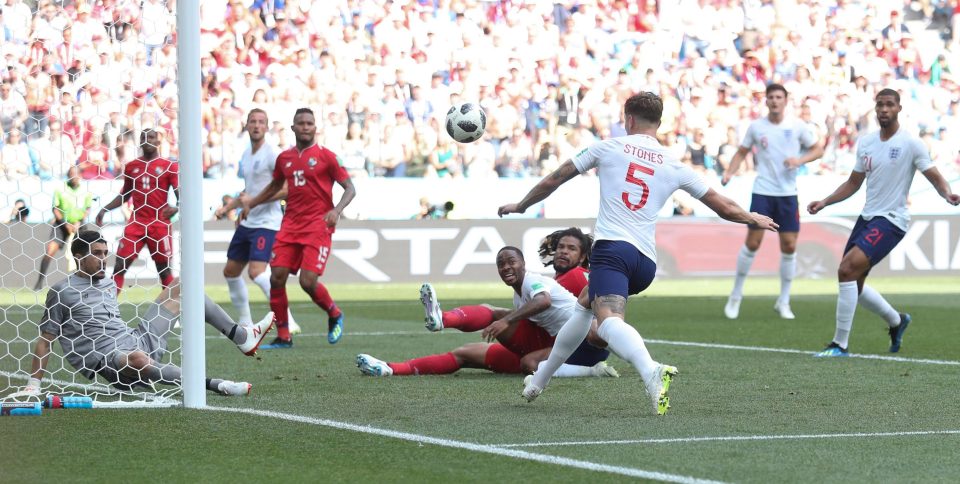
(466, 122)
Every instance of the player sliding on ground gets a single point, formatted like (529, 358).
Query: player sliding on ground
(887, 160)
(637, 176)
(81, 312)
(524, 334)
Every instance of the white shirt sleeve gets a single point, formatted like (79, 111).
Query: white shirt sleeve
(691, 183)
(589, 158)
(921, 156)
(532, 285)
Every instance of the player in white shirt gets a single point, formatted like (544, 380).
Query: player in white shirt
(253, 240)
(887, 160)
(637, 177)
(517, 340)
(780, 145)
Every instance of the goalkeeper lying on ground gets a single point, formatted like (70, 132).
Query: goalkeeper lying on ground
(81, 312)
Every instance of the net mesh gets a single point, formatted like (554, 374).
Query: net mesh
(82, 81)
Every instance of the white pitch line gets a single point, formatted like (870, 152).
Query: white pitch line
(720, 346)
(801, 352)
(456, 444)
(734, 438)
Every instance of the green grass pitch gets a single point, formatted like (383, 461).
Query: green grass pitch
(745, 407)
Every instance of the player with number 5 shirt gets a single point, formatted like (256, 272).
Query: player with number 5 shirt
(637, 177)
(303, 242)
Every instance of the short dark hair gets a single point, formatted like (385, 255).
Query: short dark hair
(773, 87)
(548, 246)
(258, 110)
(82, 242)
(645, 105)
(510, 247)
(888, 92)
(303, 111)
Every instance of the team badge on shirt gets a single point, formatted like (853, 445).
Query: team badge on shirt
(288, 164)
(894, 152)
(136, 170)
(158, 170)
(312, 162)
(787, 133)
(763, 142)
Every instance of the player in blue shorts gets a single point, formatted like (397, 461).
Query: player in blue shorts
(780, 145)
(637, 177)
(887, 159)
(252, 242)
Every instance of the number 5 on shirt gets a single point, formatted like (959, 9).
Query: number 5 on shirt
(632, 178)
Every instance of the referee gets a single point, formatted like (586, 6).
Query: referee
(71, 205)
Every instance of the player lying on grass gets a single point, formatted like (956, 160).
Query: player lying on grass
(81, 312)
(524, 335)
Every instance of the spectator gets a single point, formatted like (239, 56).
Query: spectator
(55, 153)
(20, 211)
(16, 161)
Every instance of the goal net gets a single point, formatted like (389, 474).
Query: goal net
(82, 81)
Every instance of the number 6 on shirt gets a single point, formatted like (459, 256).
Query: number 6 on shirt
(632, 178)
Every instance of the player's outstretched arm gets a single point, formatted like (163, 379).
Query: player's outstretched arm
(943, 187)
(729, 210)
(41, 352)
(543, 189)
(843, 192)
(116, 202)
(266, 194)
(731, 170)
(536, 305)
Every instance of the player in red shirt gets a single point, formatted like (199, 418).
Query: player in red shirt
(146, 185)
(568, 251)
(303, 242)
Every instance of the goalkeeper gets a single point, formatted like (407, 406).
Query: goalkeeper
(81, 312)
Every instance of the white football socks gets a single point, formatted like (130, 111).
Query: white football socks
(626, 342)
(240, 299)
(875, 303)
(569, 371)
(788, 269)
(568, 339)
(744, 261)
(846, 307)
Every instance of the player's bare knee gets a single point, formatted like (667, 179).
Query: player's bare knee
(848, 272)
(308, 284)
(595, 340)
(253, 273)
(529, 365)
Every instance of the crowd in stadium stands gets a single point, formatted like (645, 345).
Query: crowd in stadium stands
(81, 78)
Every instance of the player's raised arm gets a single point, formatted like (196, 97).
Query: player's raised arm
(543, 189)
(729, 210)
(843, 192)
(940, 183)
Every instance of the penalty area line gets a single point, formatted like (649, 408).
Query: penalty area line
(455, 444)
(735, 438)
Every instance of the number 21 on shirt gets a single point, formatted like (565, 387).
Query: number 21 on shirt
(634, 179)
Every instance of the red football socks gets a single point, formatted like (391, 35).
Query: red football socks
(280, 307)
(441, 364)
(322, 298)
(468, 318)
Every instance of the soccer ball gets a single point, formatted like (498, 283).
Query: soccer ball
(466, 122)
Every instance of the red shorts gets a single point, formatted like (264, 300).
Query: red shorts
(528, 338)
(307, 253)
(154, 235)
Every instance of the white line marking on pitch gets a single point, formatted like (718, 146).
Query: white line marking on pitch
(801, 352)
(487, 449)
(734, 438)
(671, 343)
